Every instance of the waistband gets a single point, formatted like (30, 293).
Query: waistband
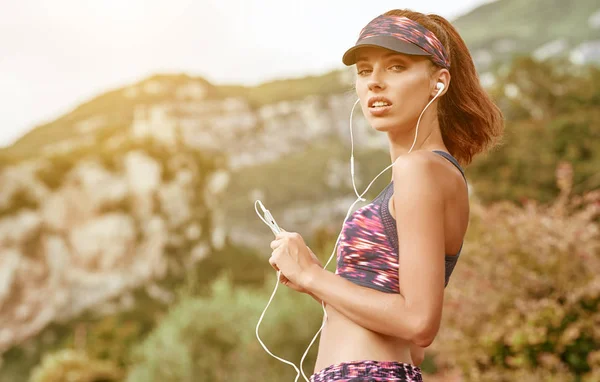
(376, 369)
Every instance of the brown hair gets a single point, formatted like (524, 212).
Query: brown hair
(469, 120)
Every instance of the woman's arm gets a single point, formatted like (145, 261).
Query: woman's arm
(415, 313)
(367, 307)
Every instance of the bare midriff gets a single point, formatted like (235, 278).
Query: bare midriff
(342, 340)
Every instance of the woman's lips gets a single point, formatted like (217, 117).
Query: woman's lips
(379, 111)
(376, 107)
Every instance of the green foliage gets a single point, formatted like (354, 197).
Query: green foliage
(553, 115)
(245, 266)
(73, 366)
(112, 337)
(106, 338)
(214, 336)
(19, 361)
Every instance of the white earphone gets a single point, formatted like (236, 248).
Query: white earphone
(299, 371)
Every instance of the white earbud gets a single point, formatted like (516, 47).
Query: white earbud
(440, 86)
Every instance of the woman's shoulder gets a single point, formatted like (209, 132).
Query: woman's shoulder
(422, 162)
(424, 173)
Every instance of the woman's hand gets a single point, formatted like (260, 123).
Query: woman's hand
(294, 259)
(284, 280)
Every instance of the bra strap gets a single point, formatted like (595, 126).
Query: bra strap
(452, 160)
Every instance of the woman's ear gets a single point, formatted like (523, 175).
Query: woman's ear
(442, 81)
(444, 78)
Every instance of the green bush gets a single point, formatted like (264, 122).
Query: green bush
(72, 366)
(213, 338)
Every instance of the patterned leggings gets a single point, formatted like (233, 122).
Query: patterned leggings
(369, 371)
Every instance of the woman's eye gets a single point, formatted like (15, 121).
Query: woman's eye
(363, 72)
(397, 67)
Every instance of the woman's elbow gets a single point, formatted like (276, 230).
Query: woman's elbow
(423, 341)
(425, 334)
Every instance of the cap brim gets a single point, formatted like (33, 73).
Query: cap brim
(387, 42)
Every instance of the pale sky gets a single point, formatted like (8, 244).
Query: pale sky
(57, 54)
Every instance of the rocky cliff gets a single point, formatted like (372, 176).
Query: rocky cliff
(129, 180)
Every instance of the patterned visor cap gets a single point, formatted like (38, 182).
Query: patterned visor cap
(402, 35)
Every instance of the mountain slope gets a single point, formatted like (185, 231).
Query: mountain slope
(533, 22)
(507, 27)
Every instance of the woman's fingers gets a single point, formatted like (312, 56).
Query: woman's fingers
(282, 279)
(272, 262)
(285, 281)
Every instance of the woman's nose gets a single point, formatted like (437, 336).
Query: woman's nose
(375, 81)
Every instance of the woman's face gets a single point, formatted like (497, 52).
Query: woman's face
(393, 88)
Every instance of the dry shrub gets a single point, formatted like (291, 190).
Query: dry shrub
(523, 303)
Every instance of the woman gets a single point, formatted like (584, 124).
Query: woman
(416, 82)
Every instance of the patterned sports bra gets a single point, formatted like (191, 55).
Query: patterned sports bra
(367, 251)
